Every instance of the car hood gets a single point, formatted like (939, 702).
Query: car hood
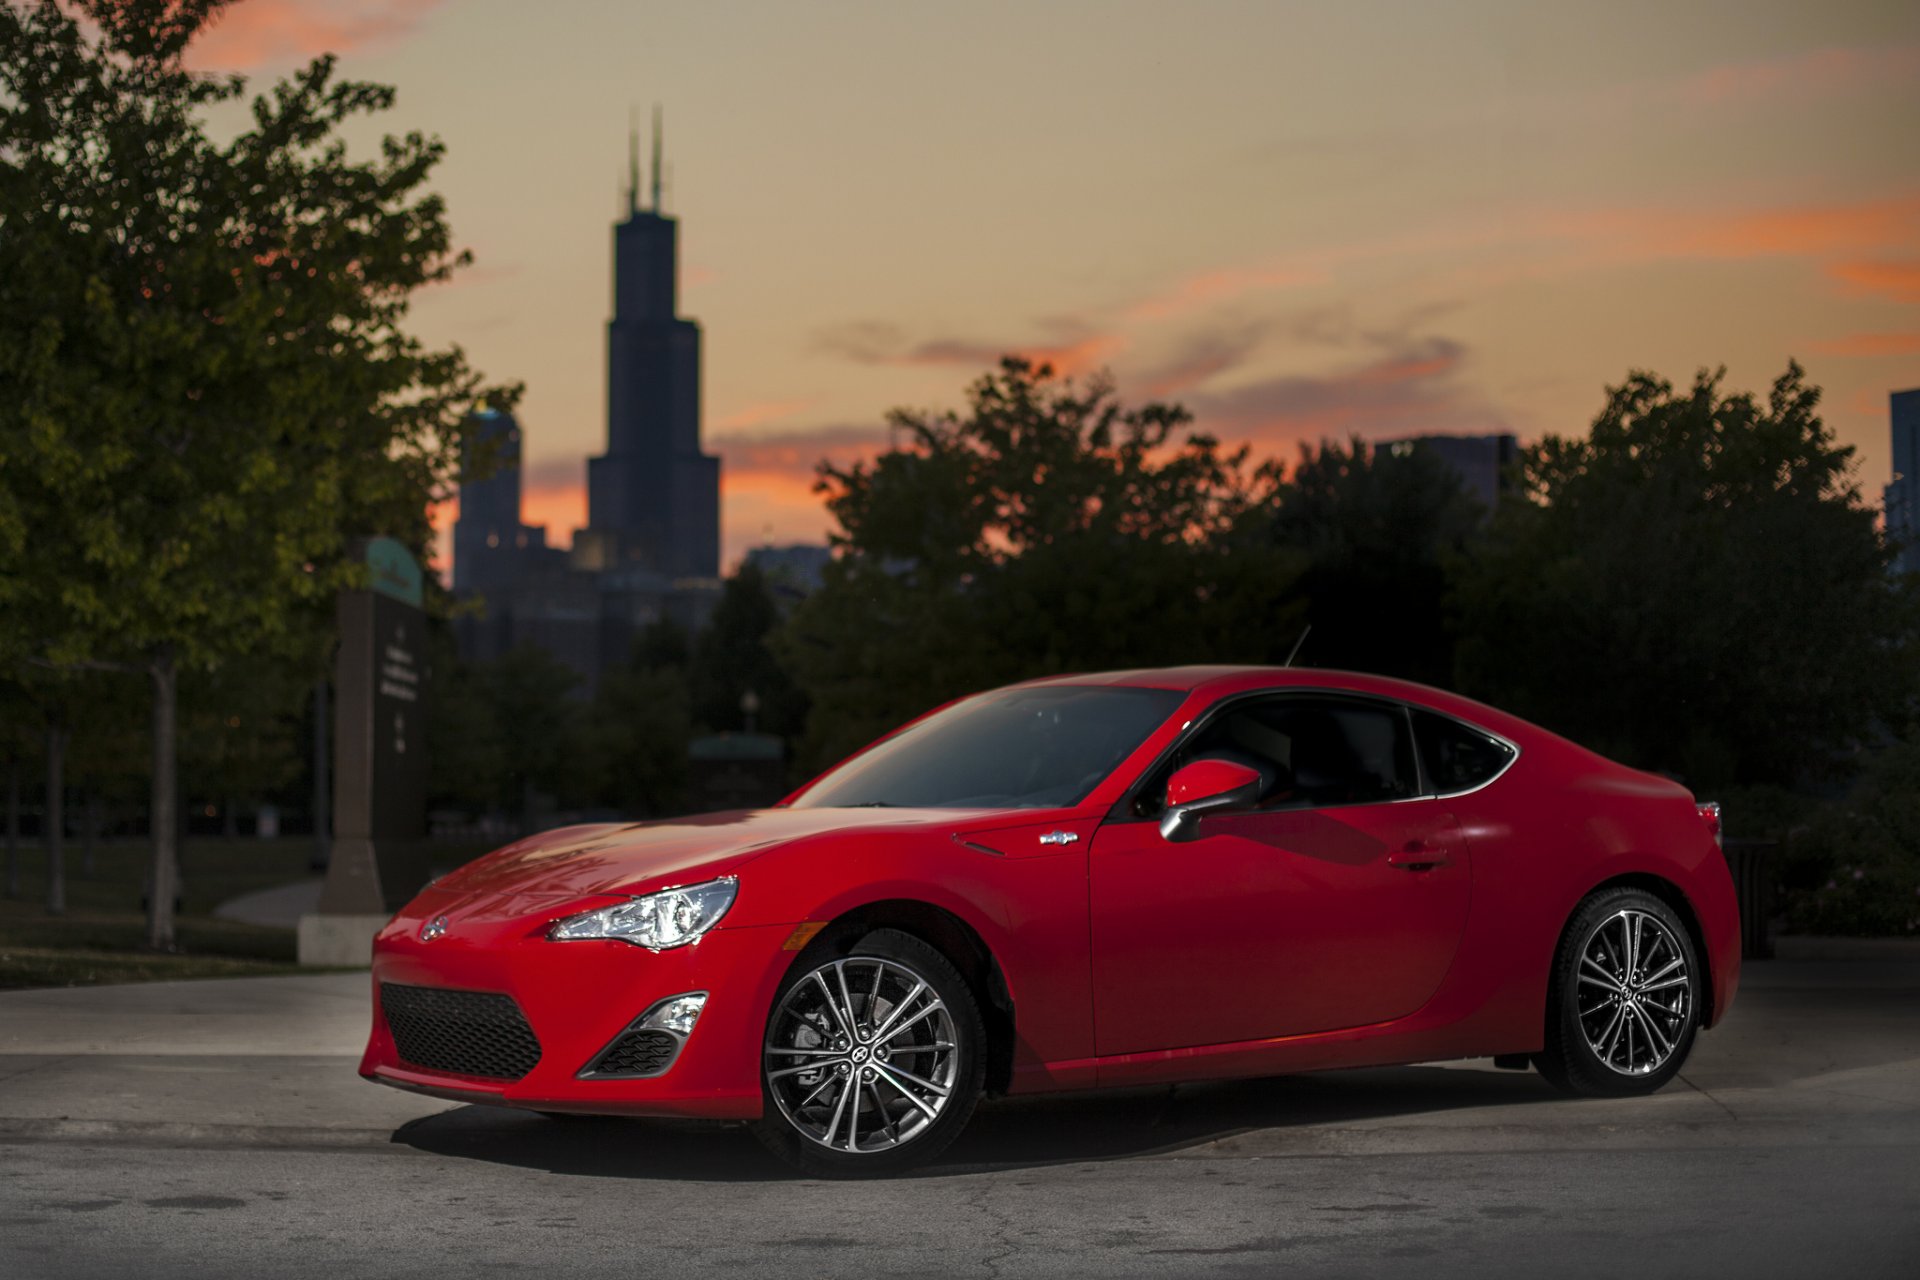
(618, 858)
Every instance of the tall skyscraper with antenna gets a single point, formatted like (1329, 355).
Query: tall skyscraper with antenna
(653, 498)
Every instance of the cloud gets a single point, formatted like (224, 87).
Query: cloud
(276, 31)
(1202, 357)
(764, 411)
(1897, 280)
(1798, 231)
(1208, 288)
(874, 342)
(1816, 72)
(792, 456)
(1867, 345)
(1409, 388)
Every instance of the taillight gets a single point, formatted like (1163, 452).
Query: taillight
(1710, 814)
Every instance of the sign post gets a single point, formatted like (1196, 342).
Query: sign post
(379, 758)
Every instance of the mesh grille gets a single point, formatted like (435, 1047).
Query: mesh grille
(473, 1033)
(637, 1053)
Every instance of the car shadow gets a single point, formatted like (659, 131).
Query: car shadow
(1007, 1133)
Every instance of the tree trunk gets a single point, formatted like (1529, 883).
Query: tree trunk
(92, 834)
(13, 828)
(322, 783)
(56, 829)
(164, 808)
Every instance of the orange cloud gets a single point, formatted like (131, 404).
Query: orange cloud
(878, 343)
(1868, 344)
(1805, 230)
(793, 456)
(1209, 287)
(1818, 71)
(1899, 281)
(277, 31)
(754, 415)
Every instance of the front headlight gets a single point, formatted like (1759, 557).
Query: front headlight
(659, 921)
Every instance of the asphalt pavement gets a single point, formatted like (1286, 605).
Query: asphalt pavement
(218, 1129)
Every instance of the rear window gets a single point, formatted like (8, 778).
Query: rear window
(1456, 756)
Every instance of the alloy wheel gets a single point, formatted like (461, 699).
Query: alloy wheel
(1635, 993)
(862, 1055)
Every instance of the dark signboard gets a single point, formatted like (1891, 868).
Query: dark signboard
(380, 736)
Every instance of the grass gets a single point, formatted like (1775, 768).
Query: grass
(102, 936)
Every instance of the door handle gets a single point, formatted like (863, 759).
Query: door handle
(1418, 855)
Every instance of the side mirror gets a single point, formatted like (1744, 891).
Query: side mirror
(1205, 786)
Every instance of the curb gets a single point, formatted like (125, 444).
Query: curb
(173, 1133)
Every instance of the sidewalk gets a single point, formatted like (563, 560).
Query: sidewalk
(1814, 1048)
(252, 1059)
(279, 908)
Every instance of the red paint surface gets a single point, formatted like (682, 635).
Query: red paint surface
(1276, 941)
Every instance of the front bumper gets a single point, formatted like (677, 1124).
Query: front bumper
(579, 996)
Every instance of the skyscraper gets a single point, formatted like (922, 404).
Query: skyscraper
(653, 499)
(651, 548)
(492, 549)
(1902, 497)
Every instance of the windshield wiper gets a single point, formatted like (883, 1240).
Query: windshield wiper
(872, 804)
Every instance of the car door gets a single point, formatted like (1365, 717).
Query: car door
(1338, 902)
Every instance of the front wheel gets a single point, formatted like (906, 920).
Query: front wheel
(1623, 1004)
(873, 1061)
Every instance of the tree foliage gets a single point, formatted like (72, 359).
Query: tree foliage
(733, 658)
(1048, 528)
(1379, 531)
(207, 386)
(1696, 587)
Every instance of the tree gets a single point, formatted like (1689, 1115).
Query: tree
(1696, 587)
(206, 388)
(1047, 529)
(636, 736)
(1378, 530)
(239, 726)
(506, 732)
(733, 659)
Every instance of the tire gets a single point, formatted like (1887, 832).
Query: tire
(913, 1080)
(1623, 1002)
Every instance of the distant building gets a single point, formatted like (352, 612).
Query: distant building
(1902, 497)
(653, 499)
(651, 548)
(1480, 461)
(492, 549)
(793, 571)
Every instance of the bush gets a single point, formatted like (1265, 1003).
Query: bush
(1855, 867)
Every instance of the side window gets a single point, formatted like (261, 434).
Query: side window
(1457, 757)
(1323, 751)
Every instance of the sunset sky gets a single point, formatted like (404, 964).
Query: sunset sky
(1298, 219)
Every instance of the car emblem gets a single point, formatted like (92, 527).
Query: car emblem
(433, 928)
(1059, 837)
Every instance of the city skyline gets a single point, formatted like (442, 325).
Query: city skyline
(1298, 221)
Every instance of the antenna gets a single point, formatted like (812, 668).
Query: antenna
(1295, 651)
(656, 157)
(633, 160)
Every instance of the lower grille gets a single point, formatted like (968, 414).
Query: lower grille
(637, 1053)
(471, 1033)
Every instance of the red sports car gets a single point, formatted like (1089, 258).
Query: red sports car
(1142, 876)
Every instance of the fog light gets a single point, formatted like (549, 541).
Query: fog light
(676, 1015)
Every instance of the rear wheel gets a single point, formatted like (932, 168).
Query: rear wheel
(873, 1061)
(1623, 1005)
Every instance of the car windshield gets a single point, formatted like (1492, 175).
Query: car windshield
(1036, 748)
